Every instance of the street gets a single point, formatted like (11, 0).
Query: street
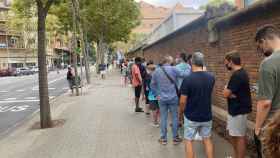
(19, 96)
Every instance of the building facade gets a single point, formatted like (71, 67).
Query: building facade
(244, 3)
(12, 51)
(177, 18)
(151, 16)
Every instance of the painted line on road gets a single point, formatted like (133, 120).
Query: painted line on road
(3, 91)
(65, 88)
(18, 101)
(30, 98)
(52, 88)
(10, 99)
(37, 87)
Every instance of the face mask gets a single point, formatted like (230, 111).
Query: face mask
(228, 67)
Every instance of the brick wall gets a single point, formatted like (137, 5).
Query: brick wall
(238, 36)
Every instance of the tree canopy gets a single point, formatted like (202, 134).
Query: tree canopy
(111, 19)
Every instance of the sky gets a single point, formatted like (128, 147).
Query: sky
(170, 3)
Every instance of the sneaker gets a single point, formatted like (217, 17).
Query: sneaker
(162, 141)
(177, 140)
(139, 110)
(155, 124)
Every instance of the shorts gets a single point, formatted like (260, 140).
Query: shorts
(191, 129)
(237, 125)
(154, 105)
(103, 72)
(138, 90)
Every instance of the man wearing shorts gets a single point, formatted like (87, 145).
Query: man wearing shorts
(238, 94)
(195, 102)
(137, 83)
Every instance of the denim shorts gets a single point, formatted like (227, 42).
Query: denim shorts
(191, 129)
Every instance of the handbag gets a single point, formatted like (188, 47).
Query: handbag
(172, 81)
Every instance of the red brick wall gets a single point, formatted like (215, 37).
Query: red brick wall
(236, 37)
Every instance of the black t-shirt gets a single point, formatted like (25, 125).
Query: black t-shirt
(239, 84)
(198, 87)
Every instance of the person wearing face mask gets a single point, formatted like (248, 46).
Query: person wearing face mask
(268, 105)
(237, 92)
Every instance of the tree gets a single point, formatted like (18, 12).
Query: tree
(217, 3)
(109, 21)
(42, 7)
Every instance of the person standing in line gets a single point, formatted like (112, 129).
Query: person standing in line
(268, 105)
(137, 83)
(153, 102)
(164, 84)
(237, 92)
(125, 72)
(195, 102)
(183, 67)
(145, 77)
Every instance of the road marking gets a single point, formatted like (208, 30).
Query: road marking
(20, 90)
(30, 98)
(10, 99)
(18, 101)
(65, 88)
(13, 108)
(3, 91)
(37, 87)
(52, 88)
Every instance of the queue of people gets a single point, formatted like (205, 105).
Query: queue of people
(183, 90)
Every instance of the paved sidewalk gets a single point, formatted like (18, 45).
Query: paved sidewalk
(100, 124)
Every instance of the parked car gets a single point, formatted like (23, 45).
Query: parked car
(8, 72)
(24, 71)
(34, 69)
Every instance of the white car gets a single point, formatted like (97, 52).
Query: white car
(34, 69)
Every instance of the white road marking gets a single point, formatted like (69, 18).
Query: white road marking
(3, 91)
(13, 108)
(65, 88)
(52, 88)
(51, 97)
(20, 90)
(37, 87)
(30, 98)
(10, 99)
(18, 101)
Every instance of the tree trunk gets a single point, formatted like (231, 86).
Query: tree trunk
(75, 45)
(85, 54)
(100, 52)
(45, 112)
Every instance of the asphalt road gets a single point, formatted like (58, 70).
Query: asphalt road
(19, 96)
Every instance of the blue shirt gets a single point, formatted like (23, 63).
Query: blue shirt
(185, 70)
(198, 87)
(162, 86)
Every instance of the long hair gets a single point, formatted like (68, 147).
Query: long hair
(272, 137)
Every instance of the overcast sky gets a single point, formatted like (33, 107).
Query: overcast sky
(170, 3)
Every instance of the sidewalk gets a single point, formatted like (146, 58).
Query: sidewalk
(100, 124)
